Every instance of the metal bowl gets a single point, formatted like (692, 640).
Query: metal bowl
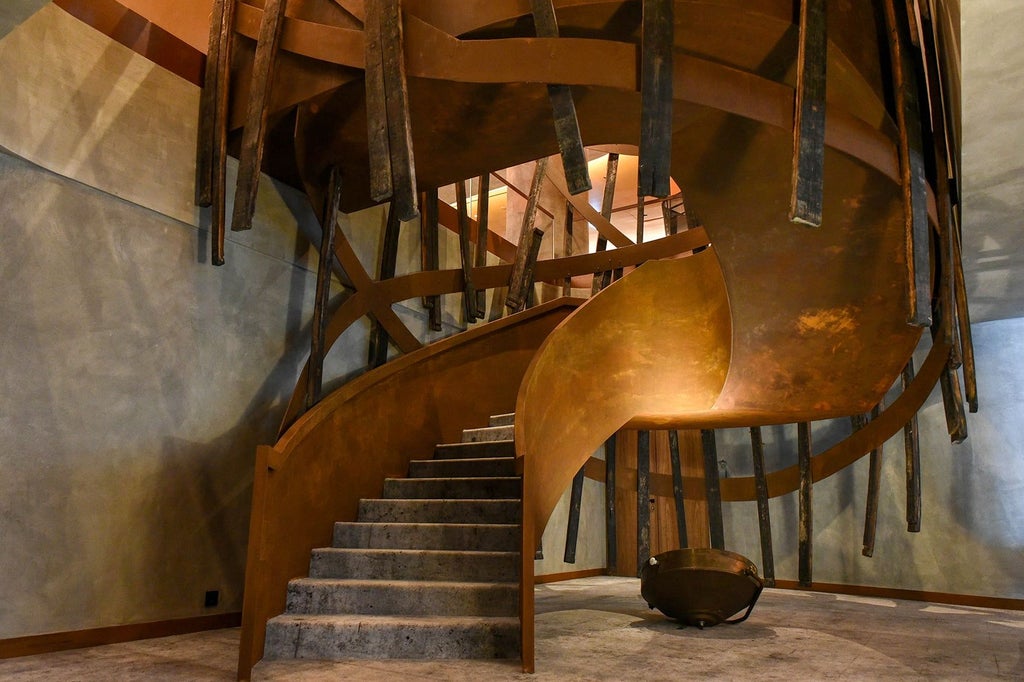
(701, 586)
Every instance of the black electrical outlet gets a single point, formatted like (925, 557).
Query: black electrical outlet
(212, 598)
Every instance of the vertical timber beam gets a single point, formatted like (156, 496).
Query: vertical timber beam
(603, 279)
(220, 134)
(250, 159)
(963, 317)
(392, 165)
(912, 450)
(465, 239)
(388, 262)
(572, 531)
(567, 246)
(806, 522)
(520, 282)
(429, 237)
(677, 486)
(611, 536)
(764, 521)
(874, 486)
(713, 488)
(656, 99)
(643, 499)
(517, 289)
(483, 201)
(912, 170)
(567, 127)
(809, 125)
(207, 108)
(314, 377)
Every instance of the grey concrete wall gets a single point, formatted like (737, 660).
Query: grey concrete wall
(972, 534)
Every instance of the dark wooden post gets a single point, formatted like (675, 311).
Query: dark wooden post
(874, 486)
(567, 246)
(220, 133)
(656, 99)
(483, 200)
(677, 486)
(314, 376)
(809, 121)
(572, 531)
(764, 521)
(806, 532)
(388, 261)
(611, 536)
(643, 499)
(912, 452)
(208, 107)
(465, 239)
(713, 488)
(429, 253)
(603, 279)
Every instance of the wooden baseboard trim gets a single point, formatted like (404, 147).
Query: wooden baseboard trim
(572, 575)
(31, 645)
(909, 595)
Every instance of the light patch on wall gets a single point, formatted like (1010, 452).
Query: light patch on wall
(833, 320)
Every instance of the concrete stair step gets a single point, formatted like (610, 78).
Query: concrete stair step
(502, 419)
(339, 637)
(486, 449)
(439, 511)
(487, 433)
(414, 564)
(488, 467)
(489, 488)
(443, 536)
(402, 597)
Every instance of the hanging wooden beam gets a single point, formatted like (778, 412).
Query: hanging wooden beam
(207, 108)
(389, 131)
(611, 534)
(388, 262)
(658, 33)
(314, 377)
(953, 401)
(465, 239)
(912, 169)
(567, 127)
(764, 521)
(963, 317)
(640, 217)
(713, 487)
(429, 237)
(567, 246)
(677, 487)
(517, 292)
(874, 486)
(603, 279)
(483, 200)
(520, 281)
(809, 124)
(220, 132)
(806, 523)
(643, 499)
(912, 452)
(572, 531)
(250, 160)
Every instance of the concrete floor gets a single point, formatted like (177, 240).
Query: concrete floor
(599, 629)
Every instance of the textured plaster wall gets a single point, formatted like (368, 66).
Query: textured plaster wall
(590, 543)
(135, 378)
(972, 531)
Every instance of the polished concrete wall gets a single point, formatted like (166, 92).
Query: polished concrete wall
(972, 534)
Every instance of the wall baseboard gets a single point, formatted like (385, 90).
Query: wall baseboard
(572, 575)
(909, 595)
(31, 645)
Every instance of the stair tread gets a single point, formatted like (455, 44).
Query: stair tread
(371, 583)
(413, 524)
(463, 460)
(399, 620)
(422, 500)
(475, 479)
(474, 553)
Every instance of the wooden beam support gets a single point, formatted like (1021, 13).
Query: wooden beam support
(713, 489)
(220, 135)
(677, 486)
(611, 536)
(953, 401)
(207, 108)
(643, 499)
(517, 292)
(806, 523)
(912, 169)
(378, 143)
(912, 452)
(567, 246)
(572, 531)
(963, 317)
(250, 159)
(520, 282)
(314, 377)
(429, 236)
(483, 200)
(809, 122)
(874, 486)
(388, 262)
(640, 217)
(658, 33)
(567, 127)
(764, 521)
(603, 279)
(465, 240)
